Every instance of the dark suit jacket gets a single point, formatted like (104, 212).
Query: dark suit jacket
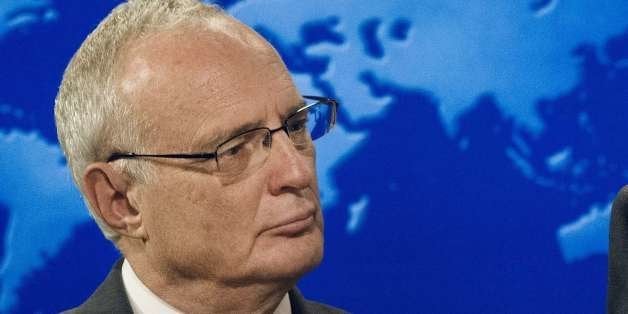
(617, 298)
(110, 297)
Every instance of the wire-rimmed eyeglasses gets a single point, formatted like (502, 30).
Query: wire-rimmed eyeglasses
(249, 149)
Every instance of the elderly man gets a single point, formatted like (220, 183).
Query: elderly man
(193, 150)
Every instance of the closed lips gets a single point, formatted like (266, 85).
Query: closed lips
(294, 224)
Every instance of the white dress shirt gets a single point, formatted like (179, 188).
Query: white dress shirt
(144, 301)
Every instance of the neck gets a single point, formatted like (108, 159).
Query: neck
(201, 295)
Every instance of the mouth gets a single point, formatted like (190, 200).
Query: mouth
(294, 226)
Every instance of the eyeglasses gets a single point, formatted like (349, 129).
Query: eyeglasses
(249, 150)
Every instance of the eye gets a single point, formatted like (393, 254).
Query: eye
(297, 125)
(233, 150)
(241, 146)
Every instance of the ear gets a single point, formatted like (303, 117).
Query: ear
(107, 192)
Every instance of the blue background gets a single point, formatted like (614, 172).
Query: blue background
(479, 147)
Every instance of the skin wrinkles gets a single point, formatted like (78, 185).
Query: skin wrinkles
(204, 233)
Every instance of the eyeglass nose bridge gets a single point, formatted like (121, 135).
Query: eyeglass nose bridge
(268, 141)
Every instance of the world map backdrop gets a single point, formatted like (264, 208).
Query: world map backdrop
(479, 147)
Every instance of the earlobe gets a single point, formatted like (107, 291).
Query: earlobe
(106, 190)
(134, 226)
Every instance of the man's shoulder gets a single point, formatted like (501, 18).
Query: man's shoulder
(302, 306)
(109, 297)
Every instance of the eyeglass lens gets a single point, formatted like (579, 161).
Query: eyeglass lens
(249, 150)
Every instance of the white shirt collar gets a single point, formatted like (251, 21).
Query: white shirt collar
(143, 300)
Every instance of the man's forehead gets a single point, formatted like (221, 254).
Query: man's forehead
(196, 77)
(201, 57)
(172, 47)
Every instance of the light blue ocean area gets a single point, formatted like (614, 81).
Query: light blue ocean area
(44, 207)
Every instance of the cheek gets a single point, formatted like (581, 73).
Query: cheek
(166, 213)
(223, 207)
(196, 214)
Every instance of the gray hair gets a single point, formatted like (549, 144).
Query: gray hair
(91, 120)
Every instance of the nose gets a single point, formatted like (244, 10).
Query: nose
(291, 170)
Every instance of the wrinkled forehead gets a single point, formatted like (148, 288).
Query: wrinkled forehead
(194, 70)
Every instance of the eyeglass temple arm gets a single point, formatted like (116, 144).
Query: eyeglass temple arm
(116, 156)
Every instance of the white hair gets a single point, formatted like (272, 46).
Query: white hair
(92, 122)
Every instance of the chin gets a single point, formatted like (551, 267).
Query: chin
(289, 258)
